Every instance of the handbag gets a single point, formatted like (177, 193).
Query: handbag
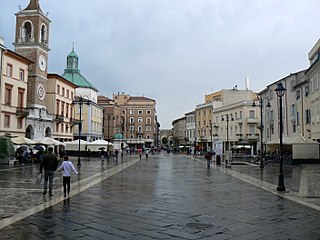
(39, 178)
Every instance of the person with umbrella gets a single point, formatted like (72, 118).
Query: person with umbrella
(208, 156)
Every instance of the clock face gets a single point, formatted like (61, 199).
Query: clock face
(42, 63)
(41, 91)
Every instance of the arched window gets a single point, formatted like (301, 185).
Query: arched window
(48, 132)
(148, 121)
(131, 120)
(27, 32)
(43, 36)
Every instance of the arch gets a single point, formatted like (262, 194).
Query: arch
(44, 35)
(27, 31)
(29, 132)
(48, 132)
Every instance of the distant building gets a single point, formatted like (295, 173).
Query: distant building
(179, 132)
(14, 84)
(113, 121)
(59, 103)
(234, 119)
(191, 128)
(313, 73)
(140, 121)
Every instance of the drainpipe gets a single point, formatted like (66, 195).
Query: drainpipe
(302, 112)
(2, 49)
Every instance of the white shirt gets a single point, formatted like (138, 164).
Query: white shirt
(67, 166)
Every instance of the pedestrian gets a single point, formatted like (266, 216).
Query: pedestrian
(67, 167)
(25, 156)
(140, 153)
(208, 156)
(49, 164)
(116, 153)
(61, 153)
(147, 153)
(102, 153)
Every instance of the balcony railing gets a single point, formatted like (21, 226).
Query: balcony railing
(252, 120)
(74, 121)
(22, 112)
(59, 118)
(239, 120)
(251, 136)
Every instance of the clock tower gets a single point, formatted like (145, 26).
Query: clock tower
(31, 41)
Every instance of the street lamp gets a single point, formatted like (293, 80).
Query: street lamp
(227, 143)
(260, 99)
(211, 135)
(109, 139)
(280, 91)
(80, 100)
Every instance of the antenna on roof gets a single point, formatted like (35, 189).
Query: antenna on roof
(73, 46)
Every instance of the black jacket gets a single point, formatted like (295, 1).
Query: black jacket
(49, 162)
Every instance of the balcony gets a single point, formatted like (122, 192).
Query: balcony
(239, 121)
(59, 118)
(22, 112)
(74, 121)
(252, 120)
(252, 136)
(215, 125)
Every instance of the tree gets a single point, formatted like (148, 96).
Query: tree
(6, 148)
(164, 140)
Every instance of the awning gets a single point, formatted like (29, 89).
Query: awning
(242, 146)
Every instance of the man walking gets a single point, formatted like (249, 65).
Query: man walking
(49, 164)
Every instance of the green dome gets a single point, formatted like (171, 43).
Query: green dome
(74, 76)
(118, 136)
(72, 72)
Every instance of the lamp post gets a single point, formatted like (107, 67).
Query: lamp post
(109, 139)
(227, 143)
(211, 135)
(280, 90)
(260, 99)
(80, 100)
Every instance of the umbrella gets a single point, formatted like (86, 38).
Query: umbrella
(38, 147)
(102, 148)
(211, 153)
(21, 149)
(49, 141)
(21, 140)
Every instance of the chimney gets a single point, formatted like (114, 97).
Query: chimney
(247, 85)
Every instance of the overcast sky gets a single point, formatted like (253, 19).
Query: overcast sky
(176, 51)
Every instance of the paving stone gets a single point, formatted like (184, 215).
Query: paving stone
(158, 198)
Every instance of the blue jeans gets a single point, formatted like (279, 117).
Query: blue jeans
(48, 176)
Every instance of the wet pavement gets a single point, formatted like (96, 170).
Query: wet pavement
(165, 197)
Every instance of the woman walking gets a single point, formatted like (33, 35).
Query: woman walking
(67, 167)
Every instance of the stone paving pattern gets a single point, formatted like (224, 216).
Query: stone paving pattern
(165, 197)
